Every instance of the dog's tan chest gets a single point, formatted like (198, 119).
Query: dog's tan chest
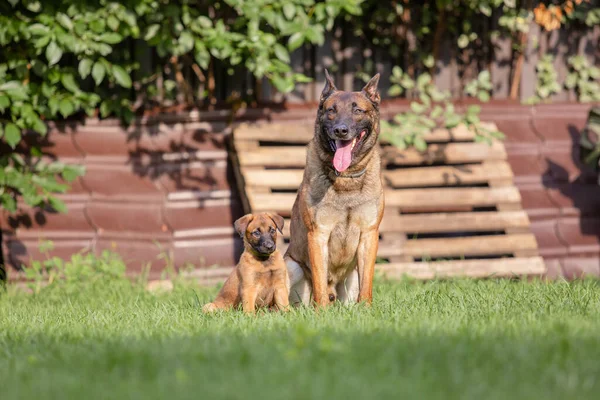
(344, 229)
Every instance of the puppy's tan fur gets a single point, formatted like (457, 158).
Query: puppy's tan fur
(259, 279)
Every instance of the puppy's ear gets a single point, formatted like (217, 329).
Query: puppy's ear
(329, 88)
(370, 90)
(242, 224)
(278, 219)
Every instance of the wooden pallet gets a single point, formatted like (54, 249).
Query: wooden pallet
(450, 211)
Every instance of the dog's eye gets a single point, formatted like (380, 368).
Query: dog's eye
(272, 230)
(256, 233)
(358, 111)
(331, 110)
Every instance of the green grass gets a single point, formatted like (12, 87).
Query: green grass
(437, 340)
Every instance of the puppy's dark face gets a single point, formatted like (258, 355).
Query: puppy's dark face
(259, 232)
(348, 123)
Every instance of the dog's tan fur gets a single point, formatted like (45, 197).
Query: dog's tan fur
(259, 280)
(336, 216)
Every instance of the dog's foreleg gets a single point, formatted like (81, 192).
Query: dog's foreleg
(367, 254)
(282, 301)
(319, 260)
(249, 295)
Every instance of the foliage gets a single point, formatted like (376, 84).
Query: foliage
(81, 270)
(547, 81)
(432, 110)
(584, 79)
(61, 59)
(457, 339)
(480, 87)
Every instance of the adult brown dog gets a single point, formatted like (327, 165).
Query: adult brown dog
(260, 279)
(336, 215)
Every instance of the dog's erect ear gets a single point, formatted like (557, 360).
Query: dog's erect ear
(278, 219)
(370, 90)
(329, 88)
(242, 224)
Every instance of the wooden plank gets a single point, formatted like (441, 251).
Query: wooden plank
(449, 222)
(410, 199)
(451, 153)
(448, 175)
(302, 131)
(503, 267)
(462, 246)
(274, 178)
(276, 156)
(409, 177)
(445, 197)
(454, 222)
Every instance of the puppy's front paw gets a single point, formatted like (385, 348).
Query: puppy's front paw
(209, 308)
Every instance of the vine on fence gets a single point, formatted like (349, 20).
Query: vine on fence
(432, 110)
(61, 59)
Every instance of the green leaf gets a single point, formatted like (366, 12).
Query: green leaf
(71, 172)
(205, 22)
(57, 204)
(110, 38)
(12, 134)
(4, 103)
(121, 76)
(289, 10)
(53, 53)
(417, 107)
(85, 67)
(281, 53)
(437, 112)
(473, 110)
(571, 80)
(53, 105)
(282, 84)
(151, 31)
(8, 202)
(295, 41)
(452, 121)
(65, 21)
(483, 96)
(38, 29)
(395, 90)
(420, 144)
(497, 135)
(98, 72)
(39, 126)
(66, 107)
(69, 83)
(112, 22)
(186, 40)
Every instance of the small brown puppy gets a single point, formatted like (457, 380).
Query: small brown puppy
(260, 279)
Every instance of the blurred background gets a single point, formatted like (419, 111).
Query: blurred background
(115, 117)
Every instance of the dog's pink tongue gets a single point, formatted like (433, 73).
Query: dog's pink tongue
(343, 155)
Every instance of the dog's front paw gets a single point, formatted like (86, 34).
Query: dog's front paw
(209, 308)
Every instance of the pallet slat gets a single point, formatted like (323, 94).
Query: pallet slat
(303, 131)
(448, 222)
(454, 222)
(449, 153)
(407, 177)
(409, 199)
(503, 267)
(461, 246)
